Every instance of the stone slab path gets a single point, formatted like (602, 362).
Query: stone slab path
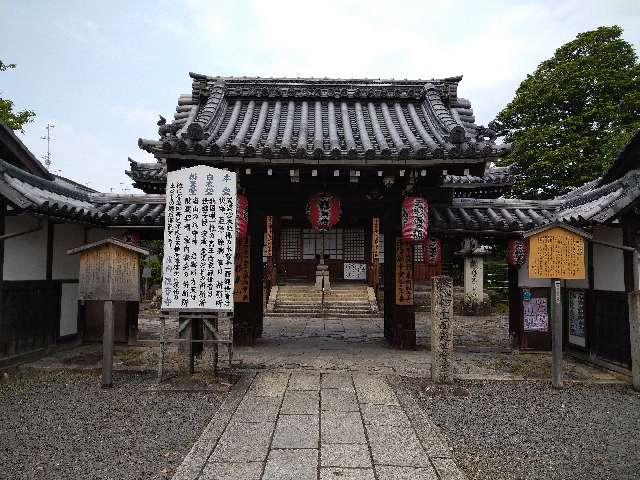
(308, 425)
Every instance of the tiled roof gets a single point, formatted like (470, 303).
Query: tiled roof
(593, 203)
(587, 205)
(148, 176)
(324, 118)
(493, 177)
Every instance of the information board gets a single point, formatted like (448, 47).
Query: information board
(375, 240)
(199, 240)
(556, 253)
(355, 271)
(535, 314)
(404, 273)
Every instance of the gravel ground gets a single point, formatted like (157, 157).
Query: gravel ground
(62, 425)
(527, 430)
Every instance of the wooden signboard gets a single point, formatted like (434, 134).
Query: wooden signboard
(375, 240)
(556, 253)
(268, 242)
(242, 272)
(109, 270)
(199, 240)
(404, 273)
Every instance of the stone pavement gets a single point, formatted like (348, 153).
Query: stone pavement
(279, 425)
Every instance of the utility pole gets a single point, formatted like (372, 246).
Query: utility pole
(47, 158)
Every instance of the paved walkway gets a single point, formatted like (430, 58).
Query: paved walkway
(320, 426)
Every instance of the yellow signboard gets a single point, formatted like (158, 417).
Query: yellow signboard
(556, 253)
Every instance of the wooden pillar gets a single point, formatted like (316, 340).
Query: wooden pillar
(248, 316)
(277, 222)
(515, 307)
(107, 345)
(399, 320)
(389, 271)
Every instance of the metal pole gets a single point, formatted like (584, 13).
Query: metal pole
(107, 345)
(556, 332)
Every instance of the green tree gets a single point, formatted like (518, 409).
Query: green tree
(571, 116)
(13, 120)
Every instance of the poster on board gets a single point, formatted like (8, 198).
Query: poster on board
(199, 240)
(535, 314)
(355, 271)
(576, 318)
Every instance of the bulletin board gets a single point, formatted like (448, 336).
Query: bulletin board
(404, 272)
(556, 253)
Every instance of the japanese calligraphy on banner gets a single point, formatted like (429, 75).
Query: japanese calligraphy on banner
(404, 273)
(269, 237)
(375, 240)
(241, 289)
(556, 253)
(535, 314)
(199, 240)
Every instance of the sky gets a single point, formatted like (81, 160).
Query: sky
(101, 72)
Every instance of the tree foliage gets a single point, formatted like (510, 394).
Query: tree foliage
(571, 116)
(13, 120)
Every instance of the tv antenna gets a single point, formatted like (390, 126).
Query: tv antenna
(47, 157)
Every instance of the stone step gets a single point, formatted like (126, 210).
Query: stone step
(328, 315)
(314, 308)
(334, 302)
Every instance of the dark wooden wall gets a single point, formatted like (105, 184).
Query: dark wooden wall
(30, 316)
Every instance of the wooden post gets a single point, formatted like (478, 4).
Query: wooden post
(107, 345)
(634, 337)
(556, 332)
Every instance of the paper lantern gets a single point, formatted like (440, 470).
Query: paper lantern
(242, 216)
(432, 250)
(517, 252)
(415, 219)
(323, 211)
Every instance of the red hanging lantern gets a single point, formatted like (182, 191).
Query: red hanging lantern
(517, 252)
(432, 250)
(415, 219)
(323, 211)
(242, 216)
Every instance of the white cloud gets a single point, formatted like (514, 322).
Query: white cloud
(83, 156)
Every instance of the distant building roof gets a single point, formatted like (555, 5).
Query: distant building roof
(324, 118)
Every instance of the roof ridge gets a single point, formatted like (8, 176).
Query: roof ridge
(328, 80)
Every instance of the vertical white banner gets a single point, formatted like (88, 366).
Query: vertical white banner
(199, 240)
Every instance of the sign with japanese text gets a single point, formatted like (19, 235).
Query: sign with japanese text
(535, 314)
(241, 289)
(269, 237)
(375, 240)
(199, 240)
(556, 253)
(404, 273)
(355, 271)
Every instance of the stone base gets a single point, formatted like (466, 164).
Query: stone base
(322, 278)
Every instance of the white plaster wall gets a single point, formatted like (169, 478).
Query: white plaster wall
(25, 257)
(69, 309)
(65, 237)
(608, 263)
(525, 281)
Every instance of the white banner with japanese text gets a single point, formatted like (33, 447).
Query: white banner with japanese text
(199, 240)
